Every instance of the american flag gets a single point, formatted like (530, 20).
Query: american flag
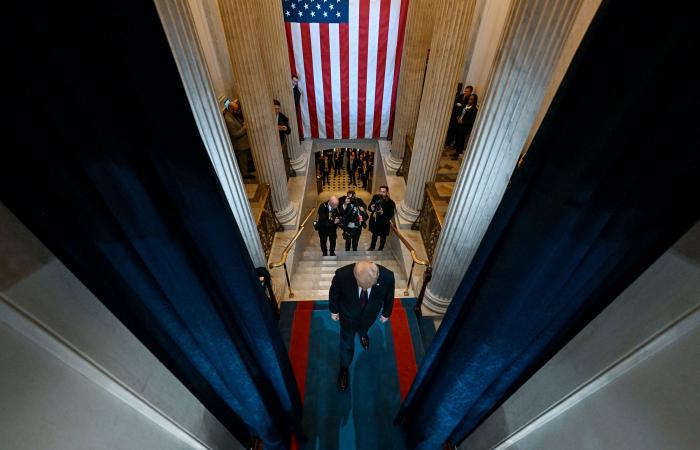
(347, 55)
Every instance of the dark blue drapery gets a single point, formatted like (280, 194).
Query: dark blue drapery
(114, 179)
(610, 182)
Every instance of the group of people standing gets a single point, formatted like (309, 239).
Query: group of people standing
(351, 214)
(238, 132)
(358, 164)
(462, 120)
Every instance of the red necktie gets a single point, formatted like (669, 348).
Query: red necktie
(363, 298)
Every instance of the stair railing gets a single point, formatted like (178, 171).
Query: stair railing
(415, 260)
(282, 262)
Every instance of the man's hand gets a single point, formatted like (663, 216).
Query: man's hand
(336, 316)
(383, 319)
(336, 221)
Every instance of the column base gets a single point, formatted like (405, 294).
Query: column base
(393, 164)
(299, 164)
(434, 302)
(287, 217)
(407, 215)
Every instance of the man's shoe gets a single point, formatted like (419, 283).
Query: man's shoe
(364, 340)
(332, 253)
(325, 254)
(370, 249)
(343, 379)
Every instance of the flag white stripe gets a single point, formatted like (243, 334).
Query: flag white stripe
(354, 25)
(390, 65)
(299, 63)
(334, 39)
(372, 48)
(315, 36)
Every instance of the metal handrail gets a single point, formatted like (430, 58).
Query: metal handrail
(416, 260)
(282, 262)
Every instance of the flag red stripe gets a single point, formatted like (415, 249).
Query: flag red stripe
(345, 79)
(309, 75)
(299, 348)
(403, 348)
(397, 63)
(327, 88)
(363, 50)
(384, 15)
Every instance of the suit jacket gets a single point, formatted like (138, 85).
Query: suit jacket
(343, 298)
(326, 218)
(239, 135)
(324, 165)
(352, 165)
(283, 120)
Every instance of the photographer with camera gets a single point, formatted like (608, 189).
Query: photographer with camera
(381, 210)
(353, 213)
(328, 222)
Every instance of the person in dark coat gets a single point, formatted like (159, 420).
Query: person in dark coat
(352, 167)
(282, 122)
(364, 173)
(325, 169)
(359, 292)
(381, 210)
(327, 224)
(459, 104)
(353, 213)
(238, 132)
(465, 123)
(337, 161)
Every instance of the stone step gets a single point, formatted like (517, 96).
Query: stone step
(331, 266)
(326, 276)
(322, 294)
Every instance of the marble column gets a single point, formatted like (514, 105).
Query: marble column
(447, 47)
(273, 43)
(419, 29)
(178, 24)
(533, 38)
(242, 31)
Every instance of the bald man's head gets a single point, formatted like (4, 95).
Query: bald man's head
(366, 273)
(333, 201)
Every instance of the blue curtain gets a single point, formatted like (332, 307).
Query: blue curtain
(609, 183)
(113, 177)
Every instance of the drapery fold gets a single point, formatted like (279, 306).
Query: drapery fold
(114, 178)
(609, 183)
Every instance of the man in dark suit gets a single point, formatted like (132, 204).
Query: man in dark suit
(337, 161)
(358, 293)
(327, 224)
(282, 122)
(459, 103)
(325, 169)
(352, 166)
(381, 210)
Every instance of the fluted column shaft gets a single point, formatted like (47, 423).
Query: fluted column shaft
(444, 67)
(276, 60)
(533, 39)
(419, 30)
(179, 27)
(241, 28)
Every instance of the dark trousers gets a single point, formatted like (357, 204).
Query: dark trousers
(347, 343)
(354, 238)
(382, 240)
(324, 236)
(324, 176)
(353, 175)
(338, 167)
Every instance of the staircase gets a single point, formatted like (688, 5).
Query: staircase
(314, 272)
